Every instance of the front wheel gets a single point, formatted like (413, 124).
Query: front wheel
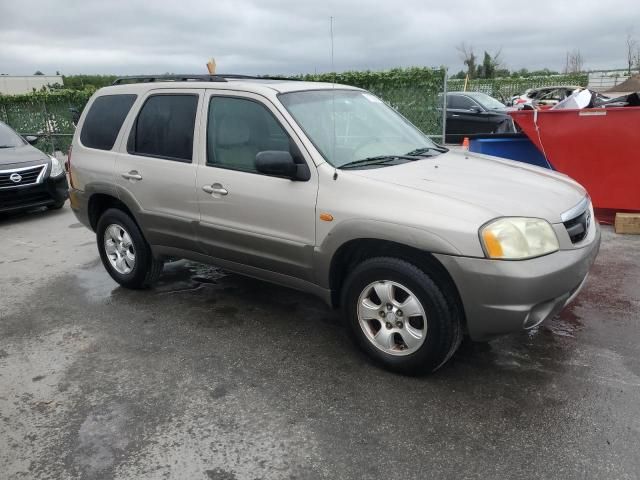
(56, 206)
(124, 252)
(400, 316)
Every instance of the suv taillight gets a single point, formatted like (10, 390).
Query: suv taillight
(67, 166)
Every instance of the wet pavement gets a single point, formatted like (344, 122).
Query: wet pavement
(215, 376)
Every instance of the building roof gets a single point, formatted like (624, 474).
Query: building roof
(630, 85)
(16, 85)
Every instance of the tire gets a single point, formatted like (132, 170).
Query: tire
(398, 348)
(124, 252)
(56, 206)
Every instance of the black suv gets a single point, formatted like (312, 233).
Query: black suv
(28, 177)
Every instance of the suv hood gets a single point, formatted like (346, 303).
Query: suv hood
(502, 187)
(22, 156)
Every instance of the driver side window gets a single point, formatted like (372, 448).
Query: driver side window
(237, 129)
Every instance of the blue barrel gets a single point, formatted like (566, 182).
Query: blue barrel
(514, 146)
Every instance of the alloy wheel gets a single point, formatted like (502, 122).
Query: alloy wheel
(119, 249)
(392, 318)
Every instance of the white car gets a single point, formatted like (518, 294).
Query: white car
(548, 96)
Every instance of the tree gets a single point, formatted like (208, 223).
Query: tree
(490, 65)
(468, 58)
(574, 62)
(38, 72)
(633, 52)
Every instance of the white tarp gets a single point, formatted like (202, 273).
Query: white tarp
(577, 100)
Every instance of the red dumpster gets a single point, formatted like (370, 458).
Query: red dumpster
(599, 148)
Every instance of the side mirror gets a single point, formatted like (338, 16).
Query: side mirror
(32, 139)
(278, 163)
(476, 109)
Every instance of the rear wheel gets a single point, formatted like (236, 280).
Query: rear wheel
(400, 316)
(124, 252)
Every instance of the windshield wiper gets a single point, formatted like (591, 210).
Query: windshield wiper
(377, 160)
(424, 150)
(6, 146)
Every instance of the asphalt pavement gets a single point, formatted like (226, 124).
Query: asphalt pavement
(217, 377)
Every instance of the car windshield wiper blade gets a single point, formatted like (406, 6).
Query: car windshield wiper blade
(6, 146)
(377, 160)
(425, 150)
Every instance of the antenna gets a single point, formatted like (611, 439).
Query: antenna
(333, 100)
(333, 68)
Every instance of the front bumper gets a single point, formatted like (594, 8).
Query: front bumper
(505, 296)
(52, 191)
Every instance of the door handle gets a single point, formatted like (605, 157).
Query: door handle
(455, 115)
(132, 175)
(215, 189)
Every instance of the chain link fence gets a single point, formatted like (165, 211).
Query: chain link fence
(414, 92)
(49, 116)
(505, 88)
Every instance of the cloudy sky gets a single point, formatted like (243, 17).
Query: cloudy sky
(292, 36)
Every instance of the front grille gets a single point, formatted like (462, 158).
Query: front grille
(24, 176)
(578, 227)
(23, 197)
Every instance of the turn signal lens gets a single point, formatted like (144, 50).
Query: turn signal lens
(492, 244)
(57, 168)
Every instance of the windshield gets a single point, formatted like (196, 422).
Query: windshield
(364, 126)
(9, 138)
(486, 101)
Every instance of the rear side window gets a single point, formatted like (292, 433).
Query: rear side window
(164, 127)
(104, 120)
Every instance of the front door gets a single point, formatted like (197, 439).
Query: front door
(247, 217)
(464, 118)
(156, 169)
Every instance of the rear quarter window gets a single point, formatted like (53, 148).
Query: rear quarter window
(104, 120)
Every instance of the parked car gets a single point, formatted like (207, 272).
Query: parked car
(545, 96)
(326, 189)
(28, 177)
(470, 113)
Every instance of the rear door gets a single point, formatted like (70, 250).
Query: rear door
(248, 217)
(156, 169)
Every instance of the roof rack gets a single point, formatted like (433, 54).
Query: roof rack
(168, 78)
(192, 78)
(234, 76)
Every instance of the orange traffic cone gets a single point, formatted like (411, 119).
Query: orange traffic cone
(465, 143)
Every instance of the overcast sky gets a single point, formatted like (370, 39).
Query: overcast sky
(292, 36)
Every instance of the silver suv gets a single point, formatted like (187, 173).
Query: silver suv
(326, 189)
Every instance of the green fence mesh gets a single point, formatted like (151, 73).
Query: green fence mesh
(45, 114)
(505, 88)
(412, 91)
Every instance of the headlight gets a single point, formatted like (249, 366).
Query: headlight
(515, 238)
(56, 167)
